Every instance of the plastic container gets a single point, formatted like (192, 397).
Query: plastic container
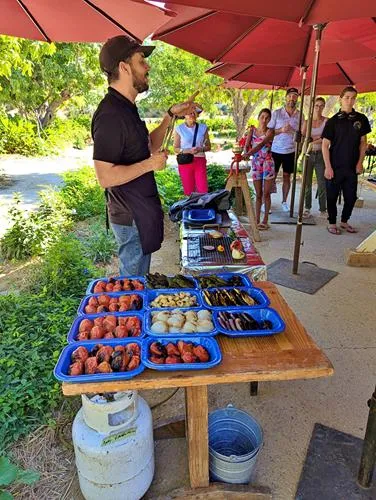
(85, 300)
(62, 366)
(278, 325)
(148, 323)
(246, 280)
(153, 294)
(191, 278)
(210, 345)
(91, 285)
(255, 293)
(235, 439)
(201, 215)
(74, 329)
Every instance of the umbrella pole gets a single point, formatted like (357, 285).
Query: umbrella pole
(298, 140)
(271, 100)
(306, 150)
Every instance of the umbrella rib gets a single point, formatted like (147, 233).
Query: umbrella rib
(179, 27)
(303, 62)
(34, 21)
(239, 39)
(306, 12)
(111, 19)
(345, 74)
(242, 71)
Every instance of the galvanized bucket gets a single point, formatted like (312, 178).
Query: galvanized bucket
(235, 438)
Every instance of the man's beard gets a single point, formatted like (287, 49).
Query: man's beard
(141, 85)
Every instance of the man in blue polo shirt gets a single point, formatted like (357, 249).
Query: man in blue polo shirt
(285, 122)
(126, 156)
(344, 144)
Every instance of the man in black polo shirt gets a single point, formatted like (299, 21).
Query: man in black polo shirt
(126, 156)
(343, 147)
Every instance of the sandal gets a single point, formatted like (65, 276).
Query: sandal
(262, 227)
(333, 230)
(348, 228)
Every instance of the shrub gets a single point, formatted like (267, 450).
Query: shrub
(216, 176)
(33, 332)
(169, 187)
(65, 270)
(82, 194)
(75, 132)
(32, 233)
(18, 136)
(219, 124)
(100, 246)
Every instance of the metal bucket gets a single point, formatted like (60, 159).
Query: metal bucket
(235, 438)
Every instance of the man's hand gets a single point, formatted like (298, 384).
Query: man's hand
(328, 173)
(359, 168)
(287, 129)
(158, 160)
(185, 108)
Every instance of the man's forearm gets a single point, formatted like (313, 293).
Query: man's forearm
(116, 175)
(362, 152)
(157, 135)
(326, 156)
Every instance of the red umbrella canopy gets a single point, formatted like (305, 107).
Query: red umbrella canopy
(305, 11)
(336, 75)
(79, 20)
(219, 36)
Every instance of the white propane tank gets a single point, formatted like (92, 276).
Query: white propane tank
(114, 447)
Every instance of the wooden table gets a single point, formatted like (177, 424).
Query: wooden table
(286, 356)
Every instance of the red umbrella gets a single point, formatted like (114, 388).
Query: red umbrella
(299, 11)
(331, 79)
(234, 38)
(79, 20)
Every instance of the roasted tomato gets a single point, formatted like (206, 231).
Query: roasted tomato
(120, 361)
(158, 349)
(133, 363)
(172, 350)
(86, 325)
(138, 285)
(201, 353)
(109, 323)
(117, 288)
(133, 325)
(170, 360)
(93, 301)
(108, 335)
(83, 335)
(188, 357)
(80, 354)
(184, 347)
(99, 321)
(90, 309)
(76, 368)
(91, 365)
(133, 349)
(97, 332)
(120, 348)
(100, 287)
(121, 332)
(158, 360)
(104, 367)
(104, 300)
(104, 353)
(113, 307)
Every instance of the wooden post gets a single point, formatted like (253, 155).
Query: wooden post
(196, 405)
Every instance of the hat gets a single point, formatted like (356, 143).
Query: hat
(292, 90)
(119, 48)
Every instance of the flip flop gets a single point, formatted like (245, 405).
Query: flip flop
(333, 230)
(262, 227)
(349, 228)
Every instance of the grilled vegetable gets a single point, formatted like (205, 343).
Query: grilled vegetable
(224, 298)
(242, 322)
(214, 281)
(158, 280)
(182, 352)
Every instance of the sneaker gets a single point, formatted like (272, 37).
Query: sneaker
(306, 213)
(285, 207)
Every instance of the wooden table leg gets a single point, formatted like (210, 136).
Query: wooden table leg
(196, 404)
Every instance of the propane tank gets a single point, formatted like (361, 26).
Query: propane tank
(114, 448)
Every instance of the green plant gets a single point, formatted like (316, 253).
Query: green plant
(100, 246)
(216, 176)
(18, 136)
(169, 187)
(12, 474)
(82, 194)
(65, 269)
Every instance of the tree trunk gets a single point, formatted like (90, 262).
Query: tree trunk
(243, 109)
(49, 109)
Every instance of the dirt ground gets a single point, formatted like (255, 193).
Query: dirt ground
(339, 317)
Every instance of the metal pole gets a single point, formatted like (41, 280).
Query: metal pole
(271, 99)
(306, 150)
(298, 140)
(368, 460)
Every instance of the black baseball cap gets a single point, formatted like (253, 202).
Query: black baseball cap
(118, 49)
(292, 90)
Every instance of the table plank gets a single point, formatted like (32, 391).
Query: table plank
(286, 356)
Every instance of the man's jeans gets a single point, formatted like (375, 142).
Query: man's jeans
(131, 259)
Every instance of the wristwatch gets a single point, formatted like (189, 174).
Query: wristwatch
(169, 112)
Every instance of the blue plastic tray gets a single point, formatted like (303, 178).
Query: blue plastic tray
(152, 294)
(73, 332)
(201, 215)
(61, 368)
(259, 315)
(85, 300)
(194, 281)
(257, 294)
(246, 280)
(91, 285)
(148, 323)
(210, 345)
